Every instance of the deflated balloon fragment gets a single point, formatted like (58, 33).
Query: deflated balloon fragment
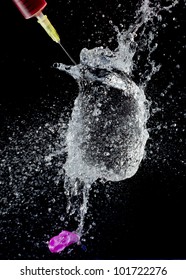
(64, 239)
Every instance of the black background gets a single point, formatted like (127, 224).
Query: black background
(139, 218)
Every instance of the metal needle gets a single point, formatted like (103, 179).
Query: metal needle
(67, 53)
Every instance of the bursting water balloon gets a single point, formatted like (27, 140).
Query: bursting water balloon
(107, 132)
(104, 137)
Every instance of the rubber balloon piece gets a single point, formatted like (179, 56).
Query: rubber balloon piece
(64, 239)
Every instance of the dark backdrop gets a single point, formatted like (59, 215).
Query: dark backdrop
(139, 218)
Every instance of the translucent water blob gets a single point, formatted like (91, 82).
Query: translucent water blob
(107, 133)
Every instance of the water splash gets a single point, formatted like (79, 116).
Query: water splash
(107, 132)
(106, 135)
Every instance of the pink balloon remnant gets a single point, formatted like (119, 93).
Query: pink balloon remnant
(64, 239)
